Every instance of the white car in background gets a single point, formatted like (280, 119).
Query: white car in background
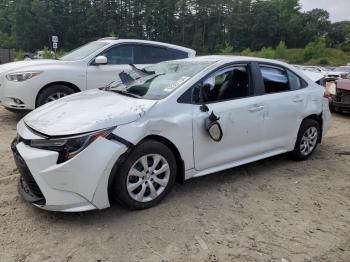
(341, 72)
(26, 85)
(317, 77)
(172, 121)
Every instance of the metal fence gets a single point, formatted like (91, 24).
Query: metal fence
(6, 55)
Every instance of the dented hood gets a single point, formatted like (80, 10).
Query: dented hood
(85, 112)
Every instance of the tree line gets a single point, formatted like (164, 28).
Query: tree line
(207, 26)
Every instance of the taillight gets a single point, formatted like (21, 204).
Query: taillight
(327, 94)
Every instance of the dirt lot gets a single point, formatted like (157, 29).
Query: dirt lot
(272, 210)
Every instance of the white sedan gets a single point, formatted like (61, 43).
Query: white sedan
(170, 122)
(27, 85)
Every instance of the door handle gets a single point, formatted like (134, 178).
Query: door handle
(256, 109)
(298, 99)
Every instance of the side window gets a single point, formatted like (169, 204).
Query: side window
(150, 54)
(119, 55)
(294, 81)
(228, 84)
(275, 79)
(174, 54)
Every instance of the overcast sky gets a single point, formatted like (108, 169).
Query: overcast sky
(339, 10)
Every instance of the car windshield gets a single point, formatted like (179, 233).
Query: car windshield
(163, 79)
(342, 69)
(83, 51)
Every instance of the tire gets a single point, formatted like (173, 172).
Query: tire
(51, 92)
(307, 140)
(141, 181)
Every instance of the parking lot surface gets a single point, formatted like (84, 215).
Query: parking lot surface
(272, 210)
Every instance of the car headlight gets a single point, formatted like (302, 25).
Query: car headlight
(23, 76)
(69, 147)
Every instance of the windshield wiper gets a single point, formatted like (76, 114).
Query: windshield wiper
(142, 72)
(124, 92)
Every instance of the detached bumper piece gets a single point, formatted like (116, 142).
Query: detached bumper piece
(27, 186)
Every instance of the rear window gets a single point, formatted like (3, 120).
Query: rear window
(294, 81)
(150, 54)
(275, 79)
(176, 54)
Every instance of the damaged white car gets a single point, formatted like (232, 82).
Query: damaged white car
(172, 121)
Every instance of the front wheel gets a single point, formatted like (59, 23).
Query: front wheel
(307, 140)
(53, 93)
(146, 176)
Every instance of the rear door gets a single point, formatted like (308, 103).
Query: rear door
(152, 54)
(285, 99)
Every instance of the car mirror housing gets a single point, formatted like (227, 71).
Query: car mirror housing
(213, 127)
(101, 60)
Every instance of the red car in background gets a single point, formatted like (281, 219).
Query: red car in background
(341, 100)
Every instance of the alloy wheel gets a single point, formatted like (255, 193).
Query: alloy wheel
(148, 177)
(55, 96)
(309, 141)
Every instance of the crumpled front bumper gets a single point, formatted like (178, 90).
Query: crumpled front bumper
(79, 184)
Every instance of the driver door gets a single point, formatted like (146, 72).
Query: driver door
(118, 59)
(228, 93)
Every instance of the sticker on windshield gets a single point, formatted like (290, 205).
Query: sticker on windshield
(176, 84)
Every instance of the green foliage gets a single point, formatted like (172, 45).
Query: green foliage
(266, 53)
(47, 53)
(60, 53)
(19, 55)
(253, 27)
(324, 61)
(247, 52)
(227, 50)
(339, 36)
(332, 57)
(315, 50)
(295, 56)
(281, 50)
(207, 26)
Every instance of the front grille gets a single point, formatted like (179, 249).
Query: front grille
(343, 96)
(28, 185)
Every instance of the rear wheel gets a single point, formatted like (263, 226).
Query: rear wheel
(53, 93)
(308, 138)
(146, 176)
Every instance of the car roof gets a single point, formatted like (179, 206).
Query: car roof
(231, 59)
(111, 40)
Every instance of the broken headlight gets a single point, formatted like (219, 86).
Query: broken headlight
(68, 147)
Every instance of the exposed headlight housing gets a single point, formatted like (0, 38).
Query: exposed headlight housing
(69, 147)
(22, 76)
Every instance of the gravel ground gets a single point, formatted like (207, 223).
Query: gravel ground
(271, 210)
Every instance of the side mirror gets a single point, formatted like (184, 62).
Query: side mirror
(213, 127)
(101, 60)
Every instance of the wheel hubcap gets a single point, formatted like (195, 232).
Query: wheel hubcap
(55, 96)
(148, 177)
(309, 141)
